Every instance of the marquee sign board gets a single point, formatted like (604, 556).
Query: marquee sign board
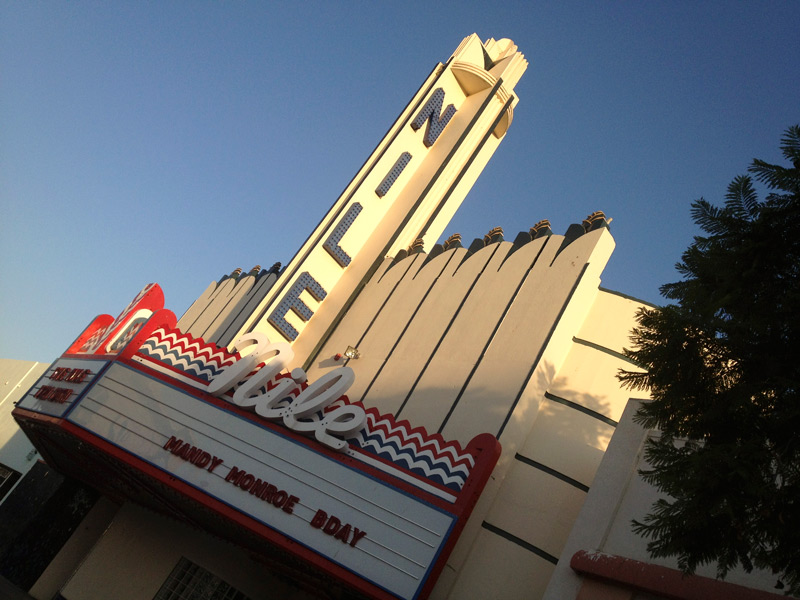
(61, 385)
(379, 516)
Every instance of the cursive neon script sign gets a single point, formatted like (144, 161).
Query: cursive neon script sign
(304, 413)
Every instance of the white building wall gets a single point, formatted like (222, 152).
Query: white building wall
(538, 500)
(619, 496)
(517, 341)
(16, 377)
(139, 550)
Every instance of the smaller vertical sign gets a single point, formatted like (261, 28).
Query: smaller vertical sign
(62, 384)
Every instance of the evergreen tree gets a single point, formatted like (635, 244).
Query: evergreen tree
(722, 366)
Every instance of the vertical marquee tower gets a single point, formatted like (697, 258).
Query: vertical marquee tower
(408, 189)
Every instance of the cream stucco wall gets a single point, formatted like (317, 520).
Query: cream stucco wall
(71, 555)
(16, 377)
(457, 312)
(138, 551)
(540, 485)
(619, 496)
(517, 341)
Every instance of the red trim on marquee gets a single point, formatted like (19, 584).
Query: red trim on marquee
(160, 318)
(99, 322)
(150, 298)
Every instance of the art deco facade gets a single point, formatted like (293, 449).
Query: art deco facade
(479, 383)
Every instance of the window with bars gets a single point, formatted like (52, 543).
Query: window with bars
(189, 581)
(8, 477)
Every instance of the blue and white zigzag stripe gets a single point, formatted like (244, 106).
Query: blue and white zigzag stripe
(187, 361)
(424, 463)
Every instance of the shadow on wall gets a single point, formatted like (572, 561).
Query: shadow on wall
(583, 427)
(534, 388)
(571, 432)
(471, 409)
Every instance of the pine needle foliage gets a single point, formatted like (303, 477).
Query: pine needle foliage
(722, 366)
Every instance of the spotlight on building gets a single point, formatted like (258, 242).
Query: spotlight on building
(352, 352)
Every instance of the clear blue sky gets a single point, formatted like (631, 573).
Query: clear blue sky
(161, 141)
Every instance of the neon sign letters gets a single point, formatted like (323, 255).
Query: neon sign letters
(267, 395)
(53, 394)
(435, 120)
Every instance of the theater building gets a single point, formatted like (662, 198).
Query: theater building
(385, 417)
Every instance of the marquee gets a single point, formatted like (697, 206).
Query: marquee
(346, 493)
